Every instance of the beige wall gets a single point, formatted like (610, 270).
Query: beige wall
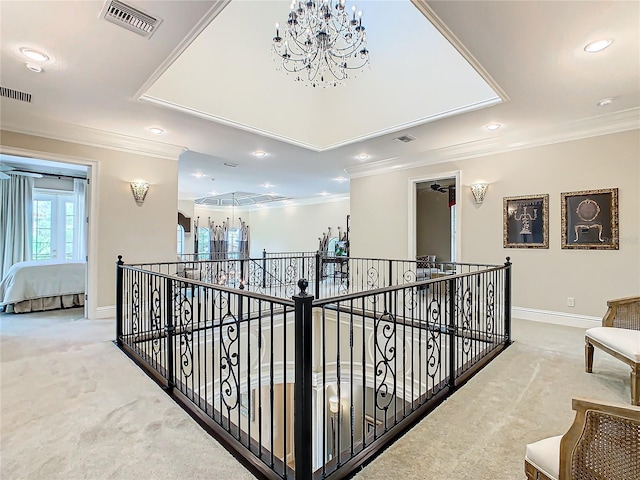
(138, 233)
(295, 228)
(433, 225)
(542, 278)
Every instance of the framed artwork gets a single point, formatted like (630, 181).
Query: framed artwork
(590, 219)
(525, 221)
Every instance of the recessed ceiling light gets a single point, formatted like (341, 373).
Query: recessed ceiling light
(156, 130)
(273, 194)
(213, 193)
(598, 45)
(199, 174)
(259, 154)
(33, 67)
(341, 179)
(605, 101)
(267, 185)
(324, 193)
(34, 54)
(493, 126)
(362, 157)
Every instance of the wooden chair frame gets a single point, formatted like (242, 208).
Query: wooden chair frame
(613, 318)
(577, 431)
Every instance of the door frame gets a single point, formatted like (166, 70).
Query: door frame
(91, 192)
(413, 221)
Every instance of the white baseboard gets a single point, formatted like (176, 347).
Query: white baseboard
(557, 318)
(106, 312)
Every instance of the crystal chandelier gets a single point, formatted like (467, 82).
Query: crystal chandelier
(321, 45)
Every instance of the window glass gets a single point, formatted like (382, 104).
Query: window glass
(203, 243)
(233, 242)
(54, 225)
(180, 240)
(42, 225)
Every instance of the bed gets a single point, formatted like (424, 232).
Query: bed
(42, 285)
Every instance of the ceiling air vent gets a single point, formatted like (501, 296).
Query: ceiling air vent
(15, 94)
(405, 138)
(130, 18)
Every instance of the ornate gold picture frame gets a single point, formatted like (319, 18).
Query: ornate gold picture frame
(525, 221)
(590, 219)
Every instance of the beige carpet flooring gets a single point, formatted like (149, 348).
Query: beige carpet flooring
(73, 407)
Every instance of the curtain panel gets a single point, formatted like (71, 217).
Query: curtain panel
(16, 220)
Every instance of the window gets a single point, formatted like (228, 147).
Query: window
(203, 243)
(55, 235)
(233, 243)
(180, 240)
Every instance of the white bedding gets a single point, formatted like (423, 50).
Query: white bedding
(38, 279)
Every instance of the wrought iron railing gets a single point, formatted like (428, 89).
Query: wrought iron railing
(312, 388)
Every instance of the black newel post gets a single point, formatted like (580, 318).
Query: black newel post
(119, 299)
(507, 301)
(302, 407)
(452, 330)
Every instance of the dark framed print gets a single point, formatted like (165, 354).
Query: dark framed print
(525, 221)
(590, 219)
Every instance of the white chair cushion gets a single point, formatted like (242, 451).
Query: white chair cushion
(545, 456)
(623, 340)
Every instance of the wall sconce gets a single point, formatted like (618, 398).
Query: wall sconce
(139, 190)
(479, 190)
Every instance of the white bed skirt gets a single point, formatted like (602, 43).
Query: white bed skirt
(46, 303)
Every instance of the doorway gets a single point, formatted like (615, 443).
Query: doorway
(434, 220)
(61, 208)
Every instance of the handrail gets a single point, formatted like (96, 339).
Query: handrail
(215, 286)
(390, 354)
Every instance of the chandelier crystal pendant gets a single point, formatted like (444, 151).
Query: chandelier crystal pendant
(321, 45)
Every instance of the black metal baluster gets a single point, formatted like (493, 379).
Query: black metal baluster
(169, 331)
(271, 396)
(452, 332)
(351, 375)
(259, 379)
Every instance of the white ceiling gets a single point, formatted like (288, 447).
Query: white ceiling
(242, 87)
(531, 53)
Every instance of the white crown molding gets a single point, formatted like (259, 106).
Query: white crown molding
(439, 25)
(576, 130)
(320, 148)
(204, 22)
(556, 318)
(92, 137)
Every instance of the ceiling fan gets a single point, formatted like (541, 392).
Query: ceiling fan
(439, 188)
(7, 170)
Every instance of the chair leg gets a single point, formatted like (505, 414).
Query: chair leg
(635, 384)
(588, 356)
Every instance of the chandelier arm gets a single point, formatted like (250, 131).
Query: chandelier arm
(322, 41)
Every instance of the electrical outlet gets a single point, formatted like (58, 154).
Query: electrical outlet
(571, 302)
